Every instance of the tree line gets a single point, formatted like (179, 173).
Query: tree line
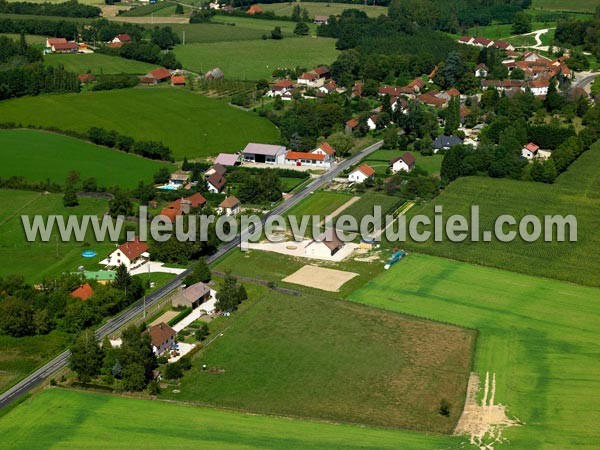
(127, 144)
(71, 8)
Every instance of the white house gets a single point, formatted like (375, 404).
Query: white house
(162, 337)
(215, 183)
(327, 244)
(121, 39)
(307, 159)
(310, 79)
(481, 71)
(530, 151)
(372, 122)
(321, 20)
(280, 88)
(326, 150)
(361, 173)
(264, 153)
(467, 40)
(131, 254)
(230, 206)
(538, 87)
(405, 162)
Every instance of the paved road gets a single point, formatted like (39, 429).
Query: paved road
(587, 79)
(117, 322)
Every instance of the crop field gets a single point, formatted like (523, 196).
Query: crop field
(380, 159)
(41, 156)
(538, 336)
(322, 8)
(72, 419)
(160, 9)
(284, 353)
(576, 192)
(190, 124)
(98, 64)
(256, 59)
(19, 356)
(38, 260)
(560, 5)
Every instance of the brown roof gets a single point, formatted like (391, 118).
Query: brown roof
(83, 292)
(282, 84)
(229, 202)
(366, 170)
(482, 41)
(123, 37)
(254, 9)
(408, 158)
(196, 200)
(86, 77)
(170, 213)
(308, 76)
(330, 238)
(352, 123)
(133, 249)
(115, 45)
(161, 73)
(501, 44)
(417, 82)
(195, 291)
(218, 168)
(218, 181)
(161, 333)
(465, 38)
(532, 147)
(322, 70)
(65, 46)
(432, 100)
(453, 92)
(52, 41)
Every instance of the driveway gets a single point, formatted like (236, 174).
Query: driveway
(155, 267)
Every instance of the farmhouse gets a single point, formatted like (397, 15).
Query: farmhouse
(66, 47)
(538, 87)
(306, 159)
(215, 183)
(162, 337)
(325, 149)
(444, 142)
(131, 254)
(467, 40)
(530, 151)
(280, 87)
(264, 153)
(230, 206)
(121, 39)
(192, 296)
(50, 42)
(482, 42)
(327, 244)
(310, 79)
(157, 76)
(501, 45)
(321, 20)
(183, 206)
(83, 292)
(361, 173)
(406, 162)
(226, 159)
(416, 85)
(481, 71)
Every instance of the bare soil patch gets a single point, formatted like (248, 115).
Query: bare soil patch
(321, 278)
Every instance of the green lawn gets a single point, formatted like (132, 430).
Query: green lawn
(30, 38)
(98, 63)
(202, 33)
(576, 192)
(538, 336)
(561, 5)
(365, 205)
(38, 260)
(190, 124)
(39, 156)
(71, 419)
(322, 8)
(319, 202)
(380, 160)
(504, 31)
(287, 27)
(256, 59)
(320, 358)
(20, 356)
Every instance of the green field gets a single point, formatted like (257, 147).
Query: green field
(561, 5)
(98, 64)
(287, 27)
(504, 31)
(20, 356)
(319, 202)
(256, 59)
(577, 192)
(41, 156)
(33, 39)
(365, 205)
(38, 260)
(203, 33)
(190, 124)
(322, 8)
(538, 336)
(363, 365)
(380, 160)
(71, 419)
(160, 9)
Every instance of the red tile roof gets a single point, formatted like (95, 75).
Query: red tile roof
(83, 292)
(52, 41)
(322, 70)
(254, 9)
(65, 46)
(352, 123)
(86, 77)
(417, 82)
(308, 76)
(532, 147)
(283, 84)
(115, 45)
(305, 155)
(133, 249)
(366, 170)
(178, 80)
(230, 202)
(161, 73)
(123, 37)
(327, 148)
(452, 92)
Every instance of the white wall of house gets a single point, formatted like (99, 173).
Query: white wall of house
(357, 177)
(400, 165)
(527, 154)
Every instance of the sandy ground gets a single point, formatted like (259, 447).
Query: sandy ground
(184, 349)
(321, 278)
(112, 10)
(155, 267)
(483, 423)
(292, 248)
(165, 317)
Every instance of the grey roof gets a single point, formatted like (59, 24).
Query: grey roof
(226, 159)
(195, 291)
(444, 141)
(264, 149)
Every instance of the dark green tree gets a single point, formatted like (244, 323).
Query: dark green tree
(86, 356)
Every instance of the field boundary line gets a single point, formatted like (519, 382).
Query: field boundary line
(20, 209)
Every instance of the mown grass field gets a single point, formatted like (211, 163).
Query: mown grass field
(504, 31)
(323, 9)
(287, 27)
(32, 39)
(37, 260)
(203, 33)
(190, 124)
(319, 202)
(538, 336)
(260, 57)
(98, 64)
(74, 419)
(576, 192)
(380, 160)
(334, 360)
(20, 356)
(561, 5)
(366, 203)
(41, 156)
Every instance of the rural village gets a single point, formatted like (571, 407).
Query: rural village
(316, 110)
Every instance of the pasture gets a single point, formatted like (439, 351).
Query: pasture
(98, 64)
(380, 160)
(580, 6)
(289, 355)
(203, 33)
(576, 192)
(38, 260)
(287, 27)
(320, 203)
(64, 418)
(190, 124)
(366, 203)
(256, 59)
(32, 39)
(322, 8)
(537, 335)
(42, 156)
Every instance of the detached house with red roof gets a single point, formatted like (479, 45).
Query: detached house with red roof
(156, 76)
(131, 254)
(121, 39)
(361, 174)
(306, 159)
(326, 150)
(530, 151)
